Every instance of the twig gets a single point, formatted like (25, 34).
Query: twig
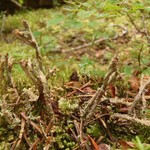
(145, 28)
(79, 89)
(32, 123)
(136, 121)
(74, 135)
(39, 79)
(143, 103)
(133, 23)
(96, 99)
(18, 141)
(81, 133)
(9, 79)
(26, 139)
(139, 56)
(106, 129)
(48, 128)
(2, 62)
(21, 131)
(85, 45)
(96, 118)
(145, 32)
(135, 108)
(8, 68)
(101, 40)
(28, 37)
(16, 4)
(34, 145)
(3, 23)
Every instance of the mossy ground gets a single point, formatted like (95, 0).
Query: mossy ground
(58, 29)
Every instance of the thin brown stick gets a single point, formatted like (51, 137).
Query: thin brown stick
(96, 99)
(143, 103)
(2, 62)
(16, 4)
(79, 89)
(139, 56)
(134, 24)
(145, 32)
(32, 123)
(3, 23)
(39, 79)
(135, 108)
(18, 141)
(26, 139)
(145, 28)
(101, 40)
(28, 37)
(136, 121)
(32, 147)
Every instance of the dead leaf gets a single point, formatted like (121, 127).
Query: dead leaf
(88, 90)
(96, 147)
(72, 84)
(126, 145)
(124, 109)
(134, 83)
(112, 90)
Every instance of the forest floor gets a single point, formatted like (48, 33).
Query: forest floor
(70, 81)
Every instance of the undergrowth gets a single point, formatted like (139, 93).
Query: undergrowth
(87, 49)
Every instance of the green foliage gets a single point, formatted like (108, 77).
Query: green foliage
(140, 145)
(67, 106)
(21, 1)
(94, 130)
(63, 140)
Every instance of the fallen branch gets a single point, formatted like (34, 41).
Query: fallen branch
(101, 40)
(135, 121)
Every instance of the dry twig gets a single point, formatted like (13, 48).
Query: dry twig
(135, 121)
(101, 40)
(32, 123)
(28, 37)
(136, 106)
(96, 99)
(3, 23)
(18, 141)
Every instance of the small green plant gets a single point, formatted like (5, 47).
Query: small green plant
(140, 145)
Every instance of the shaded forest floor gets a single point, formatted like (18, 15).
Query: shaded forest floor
(70, 81)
